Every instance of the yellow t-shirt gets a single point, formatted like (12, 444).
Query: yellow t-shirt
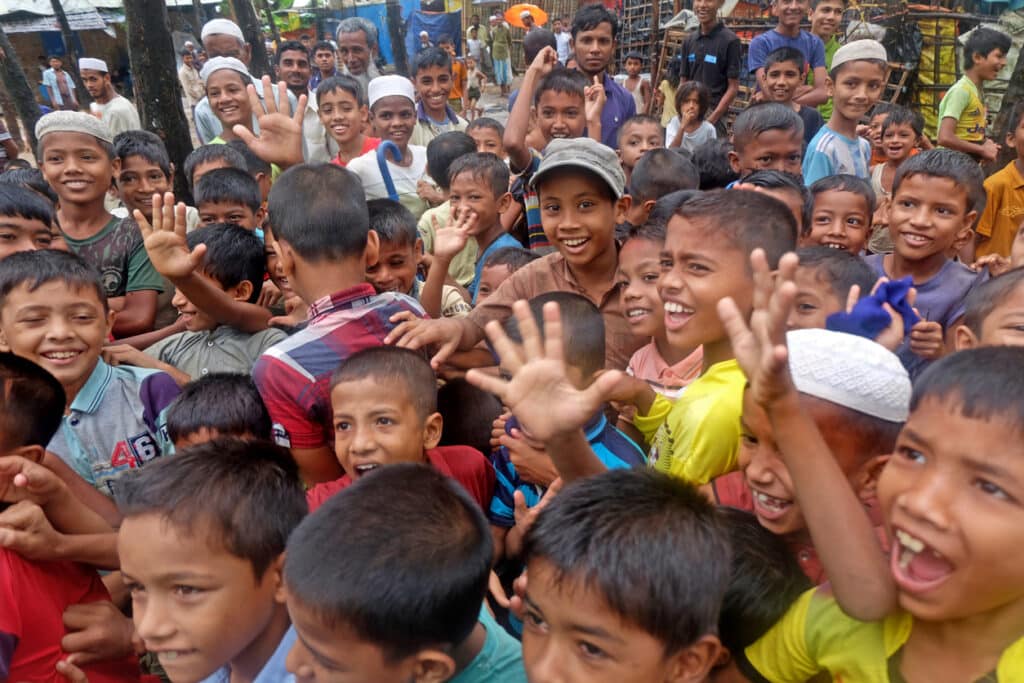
(697, 436)
(963, 103)
(1003, 213)
(668, 109)
(815, 635)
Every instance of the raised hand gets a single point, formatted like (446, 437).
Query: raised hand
(452, 238)
(165, 241)
(594, 97)
(545, 61)
(280, 138)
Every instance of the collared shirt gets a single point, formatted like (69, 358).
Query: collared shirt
(551, 273)
(273, 671)
(222, 349)
(427, 128)
(317, 78)
(116, 423)
(562, 40)
(619, 106)
(713, 58)
(404, 178)
(208, 126)
(294, 376)
(1003, 211)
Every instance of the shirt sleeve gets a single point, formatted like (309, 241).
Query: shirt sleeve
(817, 56)
(816, 166)
(992, 206)
(452, 303)
(207, 126)
(733, 59)
(757, 53)
(955, 102)
(782, 654)
(649, 423)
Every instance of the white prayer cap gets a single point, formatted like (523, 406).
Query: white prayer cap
(850, 371)
(222, 27)
(424, 34)
(857, 50)
(220, 63)
(73, 122)
(386, 86)
(525, 13)
(93, 64)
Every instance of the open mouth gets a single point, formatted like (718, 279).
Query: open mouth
(915, 240)
(769, 507)
(634, 314)
(915, 566)
(677, 315)
(170, 657)
(360, 470)
(61, 357)
(575, 245)
(835, 245)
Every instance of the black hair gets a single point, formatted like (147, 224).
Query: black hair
(246, 494)
(290, 46)
(445, 149)
(639, 120)
(750, 219)
(254, 164)
(712, 162)
(703, 96)
(142, 143)
(393, 223)
(633, 54)
(660, 172)
(233, 255)
(947, 163)
(322, 45)
(342, 82)
(513, 258)
(815, 3)
(393, 367)
(17, 163)
(844, 182)
(882, 108)
(562, 80)
(404, 581)
(989, 296)
(763, 117)
(309, 205)
(486, 122)
(208, 153)
(468, 414)
(431, 56)
(764, 581)
(982, 41)
(33, 269)
(535, 41)
(444, 39)
(16, 200)
(589, 17)
(31, 404)
(903, 116)
(228, 185)
(663, 211)
(652, 546)
(482, 166)
(31, 179)
(228, 404)
(785, 54)
(840, 269)
(652, 231)
(583, 334)
(1016, 114)
(772, 179)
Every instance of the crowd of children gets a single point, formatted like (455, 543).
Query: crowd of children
(493, 404)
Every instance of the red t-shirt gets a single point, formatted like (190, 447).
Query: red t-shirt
(466, 465)
(33, 597)
(369, 144)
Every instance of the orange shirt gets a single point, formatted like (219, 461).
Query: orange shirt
(1004, 211)
(458, 80)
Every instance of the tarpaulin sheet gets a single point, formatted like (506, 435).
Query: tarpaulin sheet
(436, 24)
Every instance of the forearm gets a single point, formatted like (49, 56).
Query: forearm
(218, 305)
(144, 341)
(594, 128)
(727, 99)
(814, 97)
(98, 550)
(137, 316)
(573, 457)
(83, 491)
(949, 140)
(519, 123)
(433, 289)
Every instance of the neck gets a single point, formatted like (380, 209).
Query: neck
(590, 75)
(842, 125)
(250, 661)
(824, 35)
(975, 78)
(706, 27)
(486, 238)
(298, 90)
(716, 352)
(327, 277)
(465, 652)
(71, 390)
(406, 156)
(670, 354)
(351, 149)
(436, 114)
(597, 276)
(921, 270)
(106, 95)
(82, 220)
(327, 73)
(787, 31)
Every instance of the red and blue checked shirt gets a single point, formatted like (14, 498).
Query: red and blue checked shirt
(294, 375)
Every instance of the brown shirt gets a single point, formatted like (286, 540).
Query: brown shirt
(550, 274)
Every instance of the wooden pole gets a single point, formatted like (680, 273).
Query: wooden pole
(71, 60)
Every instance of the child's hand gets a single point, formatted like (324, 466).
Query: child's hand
(412, 332)
(497, 591)
(165, 239)
(295, 313)
(71, 672)
(96, 632)
(22, 479)
(525, 517)
(540, 394)
(498, 429)
(25, 530)
(270, 295)
(428, 192)
(545, 61)
(450, 240)
(996, 264)
(280, 138)
(892, 336)
(534, 466)
(926, 339)
(595, 97)
(760, 348)
(989, 150)
(123, 354)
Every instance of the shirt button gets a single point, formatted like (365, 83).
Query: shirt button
(210, 344)
(74, 421)
(205, 371)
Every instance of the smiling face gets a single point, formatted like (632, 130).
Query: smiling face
(988, 66)
(856, 88)
(579, 216)
(781, 80)
(782, 150)
(294, 70)
(76, 167)
(840, 220)
(898, 142)
(790, 12)
(815, 300)
(926, 215)
(393, 118)
(951, 497)
(354, 52)
(637, 139)
(560, 115)
(23, 234)
(434, 85)
(706, 10)
(488, 140)
(594, 49)
(229, 212)
(469, 192)
(638, 273)
(490, 278)
(137, 181)
(225, 89)
(825, 18)
(395, 268)
(341, 116)
(194, 604)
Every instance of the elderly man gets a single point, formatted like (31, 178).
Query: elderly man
(357, 49)
(117, 112)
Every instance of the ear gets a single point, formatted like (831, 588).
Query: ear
(692, 663)
(34, 453)
(830, 86)
(242, 291)
(260, 215)
(115, 164)
(734, 161)
(865, 479)
(364, 112)
(964, 338)
(372, 251)
(504, 201)
(969, 220)
(285, 256)
(110, 322)
(621, 207)
(275, 573)
(432, 429)
(648, 206)
(432, 666)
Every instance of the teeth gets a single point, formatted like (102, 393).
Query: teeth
(574, 243)
(61, 355)
(833, 245)
(915, 545)
(769, 501)
(673, 307)
(366, 468)
(636, 313)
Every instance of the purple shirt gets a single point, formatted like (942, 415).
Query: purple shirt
(619, 106)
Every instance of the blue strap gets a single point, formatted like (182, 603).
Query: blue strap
(382, 164)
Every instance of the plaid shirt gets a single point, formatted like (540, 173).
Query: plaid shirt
(294, 376)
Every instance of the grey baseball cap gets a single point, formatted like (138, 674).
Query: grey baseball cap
(587, 154)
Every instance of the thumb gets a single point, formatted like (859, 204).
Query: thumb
(196, 256)
(520, 503)
(244, 134)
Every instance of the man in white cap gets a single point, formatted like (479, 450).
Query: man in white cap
(118, 113)
(501, 53)
(424, 41)
(527, 19)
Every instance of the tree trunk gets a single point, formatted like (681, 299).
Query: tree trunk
(157, 90)
(249, 22)
(397, 34)
(71, 62)
(11, 119)
(17, 86)
(274, 33)
(197, 10)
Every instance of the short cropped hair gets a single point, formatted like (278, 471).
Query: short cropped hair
(289, 46)
(947, 163)
(393, 367)
(254, 164)
(903, 116)
(652, 231)
(31, 404)
(1016, 114)
(751, 220)
(982, 41)
(989, 296)
(840, 269)
(233, 255)
(482, 166)
(663, 211)
(512, 258)
(535, 41)
(468, 413)
(342, 82)
(228, 185)
(445, 39)
(142, 143)
(33, 269)
(431, 56)
(660, 172)
(30, 179)
(815, 3)
(703, 97)
(582, 329)
(785, 54)
(445, 149)
(16, 200)
(209, 153)
(486, 122)
(844, 182)
(761, 118)
(322, 45)
(712, 162)
(589, 17)
(772, 179)
(651, 545)
(320, 211)
(246, 493)
(639, 120)
(393, 223)
(403, 581)
(228, 404)
(562, 80)
(882, 108)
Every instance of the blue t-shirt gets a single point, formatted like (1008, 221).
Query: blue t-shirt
(809, 45)
(273, 671)
(500, 660)
(506, 240)
(830, 153)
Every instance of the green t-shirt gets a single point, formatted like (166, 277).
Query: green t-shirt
(825, 109)
(118, 254)
(963, 102)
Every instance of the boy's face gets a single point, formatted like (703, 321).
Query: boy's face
(579, 216)
(875, 129)
(841, 220)
(560, 115)
(700, 267)
(376, 424)
(790, 12)
(988, 66)
(637, 139)
(815, 300)
(898, 141)
(228, 99)
(490, 278)
(138, 180)
(395, 268)
(470, 193)
(56, 64)
(229, 212)
(324, 60)
(765, 471)
(393, 118)
(633, 66)
(856, 88)
(639, 270)
(188, 60)
(341, 115)
(1015, 139)
(1004, 325)
(572, 635)
(194, 319)
(826, 16)
(59, 328)
(953, 489)
(927, 215)
(488, 140)
(434, 84)
(23, 234)
(781, 81)
(782, 150)
(195, 605)
(706, 10)
(76, 167)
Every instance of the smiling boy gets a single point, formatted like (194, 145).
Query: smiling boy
(789, 34)
(711, 55)
(432, 75)
(26, 220)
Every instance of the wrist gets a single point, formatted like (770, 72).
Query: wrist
(784, 407)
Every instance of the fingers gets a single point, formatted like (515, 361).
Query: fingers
(243, 133)
(489, 383)
(300, 108)
(444, 352)
(144, 227)
(528, 330)
(165, 210)
(852, 297)
(196, 256)
(519, 500)
(497, 591)
(180, 222)
(509, 353)
(878, 283)
(734, 322)
(71, 672)
(762, 279)
(549, 495)
(553, 348)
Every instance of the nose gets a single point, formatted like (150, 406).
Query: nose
(178, 300)
(921, 215)
(363, 440)
(295, 662)
(928, 499)
(546, 666)
(58, 328)
(763, 464)
(152, 622)
(837, 227)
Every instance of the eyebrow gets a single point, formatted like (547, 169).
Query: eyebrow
(990, 469)
(317, 655)
(596, 631)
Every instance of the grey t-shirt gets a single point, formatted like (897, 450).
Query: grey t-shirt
(222, 349)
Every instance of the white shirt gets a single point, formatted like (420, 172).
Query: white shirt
(562, 46)
(119, 114)
(404, 178)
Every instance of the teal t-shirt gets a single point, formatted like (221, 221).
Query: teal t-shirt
(500, 660)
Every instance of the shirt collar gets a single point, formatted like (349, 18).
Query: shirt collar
(714, 29)
(563, 265)
(421, 114)
(91, 394)
(339, 301)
